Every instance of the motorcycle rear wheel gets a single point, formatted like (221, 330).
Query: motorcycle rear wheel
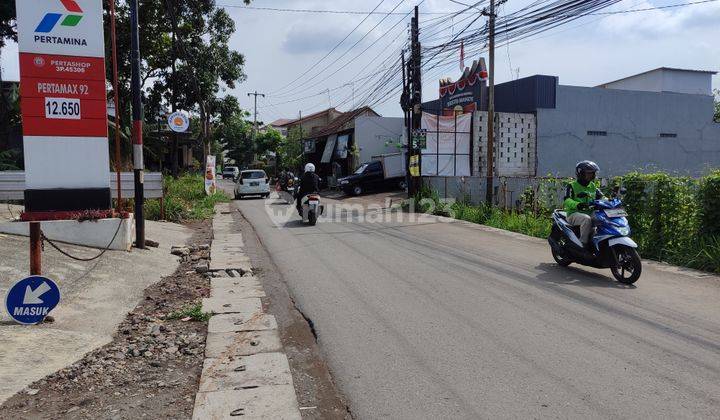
(630, 268)
(312, 218)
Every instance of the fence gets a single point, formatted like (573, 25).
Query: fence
(12, 185)
(508, 192)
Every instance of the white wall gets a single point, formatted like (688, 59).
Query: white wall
(372, 133)
(666, 80)
(515, 144)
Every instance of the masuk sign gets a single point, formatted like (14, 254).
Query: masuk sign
(63, 104)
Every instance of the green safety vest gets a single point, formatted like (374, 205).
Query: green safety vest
(571, 196)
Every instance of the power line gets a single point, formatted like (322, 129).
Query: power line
(337, 12)
(349, 49)
(333, 49)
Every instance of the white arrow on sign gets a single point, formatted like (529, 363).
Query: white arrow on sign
(33, 296)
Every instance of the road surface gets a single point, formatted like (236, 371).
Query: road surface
(427, 319)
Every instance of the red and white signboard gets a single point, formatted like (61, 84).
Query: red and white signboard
(63, 94)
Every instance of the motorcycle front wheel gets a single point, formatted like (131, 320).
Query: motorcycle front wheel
(629, 265)
(562, 261)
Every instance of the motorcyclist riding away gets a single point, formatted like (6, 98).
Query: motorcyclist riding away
(310, 183)
(579, 196)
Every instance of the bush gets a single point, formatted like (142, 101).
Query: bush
(185, 199)
(709, 202)
(673, 219)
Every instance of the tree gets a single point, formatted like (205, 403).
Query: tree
(717, 106)
(290, 150)
(185, 59)
(8, 27)
(235, 136)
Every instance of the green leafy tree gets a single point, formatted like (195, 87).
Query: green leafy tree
(235, 137)
(289, 151)
(717, 106)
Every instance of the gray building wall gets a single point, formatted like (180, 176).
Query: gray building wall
(378, 135)
(633, 122)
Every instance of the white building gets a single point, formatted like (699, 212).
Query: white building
(667, 79)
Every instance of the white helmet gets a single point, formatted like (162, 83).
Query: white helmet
(309, 167)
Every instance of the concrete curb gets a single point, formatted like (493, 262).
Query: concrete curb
(245, 373)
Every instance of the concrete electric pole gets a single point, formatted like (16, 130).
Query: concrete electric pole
(491, 105)
(415, 80)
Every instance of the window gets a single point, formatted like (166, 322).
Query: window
(597, 133)
(668, 135)
(253, 174)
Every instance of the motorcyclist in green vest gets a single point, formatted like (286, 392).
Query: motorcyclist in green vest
(579, 196)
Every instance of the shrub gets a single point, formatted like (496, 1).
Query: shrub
(709, 202)
(185, 199)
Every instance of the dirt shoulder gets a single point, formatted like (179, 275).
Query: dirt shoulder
(150, 369)
(316, 392)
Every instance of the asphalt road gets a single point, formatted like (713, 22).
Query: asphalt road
(427, 319)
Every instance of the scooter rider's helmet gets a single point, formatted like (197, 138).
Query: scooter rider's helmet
(586, 171)
(309, 167)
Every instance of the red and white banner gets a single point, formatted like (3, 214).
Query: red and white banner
(63, 93)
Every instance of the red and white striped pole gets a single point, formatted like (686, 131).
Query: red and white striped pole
(137, 112)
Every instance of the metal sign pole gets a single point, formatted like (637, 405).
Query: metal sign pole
(35, 249)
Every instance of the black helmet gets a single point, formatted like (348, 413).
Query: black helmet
(586, 166)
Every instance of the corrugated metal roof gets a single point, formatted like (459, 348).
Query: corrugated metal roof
(658, 69)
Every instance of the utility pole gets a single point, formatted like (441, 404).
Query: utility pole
(405, 105)
(255, 94)
(491, 106)
(415, 77)
(138, 164)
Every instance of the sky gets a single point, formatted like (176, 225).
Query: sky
(280, 46)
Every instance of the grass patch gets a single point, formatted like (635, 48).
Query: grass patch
(664, 219)
(194, 312)
(185, 199)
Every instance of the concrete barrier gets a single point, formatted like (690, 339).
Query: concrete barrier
(91, 233)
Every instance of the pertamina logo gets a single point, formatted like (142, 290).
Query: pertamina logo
(51, 20)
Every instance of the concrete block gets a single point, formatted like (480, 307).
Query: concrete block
(241, 322)
(238, 373)
(91, 233)
(277, 402)
(242, 343)
(227, 304)
(244, 287)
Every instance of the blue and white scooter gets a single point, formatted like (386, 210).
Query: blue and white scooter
(611, 245)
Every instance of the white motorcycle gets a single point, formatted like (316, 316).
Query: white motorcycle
(311, 208)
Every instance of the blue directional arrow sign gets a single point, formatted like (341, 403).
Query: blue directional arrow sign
(31, 299)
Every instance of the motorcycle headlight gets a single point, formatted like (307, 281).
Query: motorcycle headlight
(624, 230)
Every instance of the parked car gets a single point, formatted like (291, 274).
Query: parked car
(252, 182)
(383, 172)
(231, 172)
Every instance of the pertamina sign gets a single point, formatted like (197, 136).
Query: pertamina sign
(63, 104)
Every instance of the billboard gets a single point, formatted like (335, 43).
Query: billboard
(63, 104)
(467, 92)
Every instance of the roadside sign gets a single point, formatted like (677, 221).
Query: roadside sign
(178, 122)
(420, 138)
(415, 165)
(30, 300)
(210, 176)
(63, 103)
